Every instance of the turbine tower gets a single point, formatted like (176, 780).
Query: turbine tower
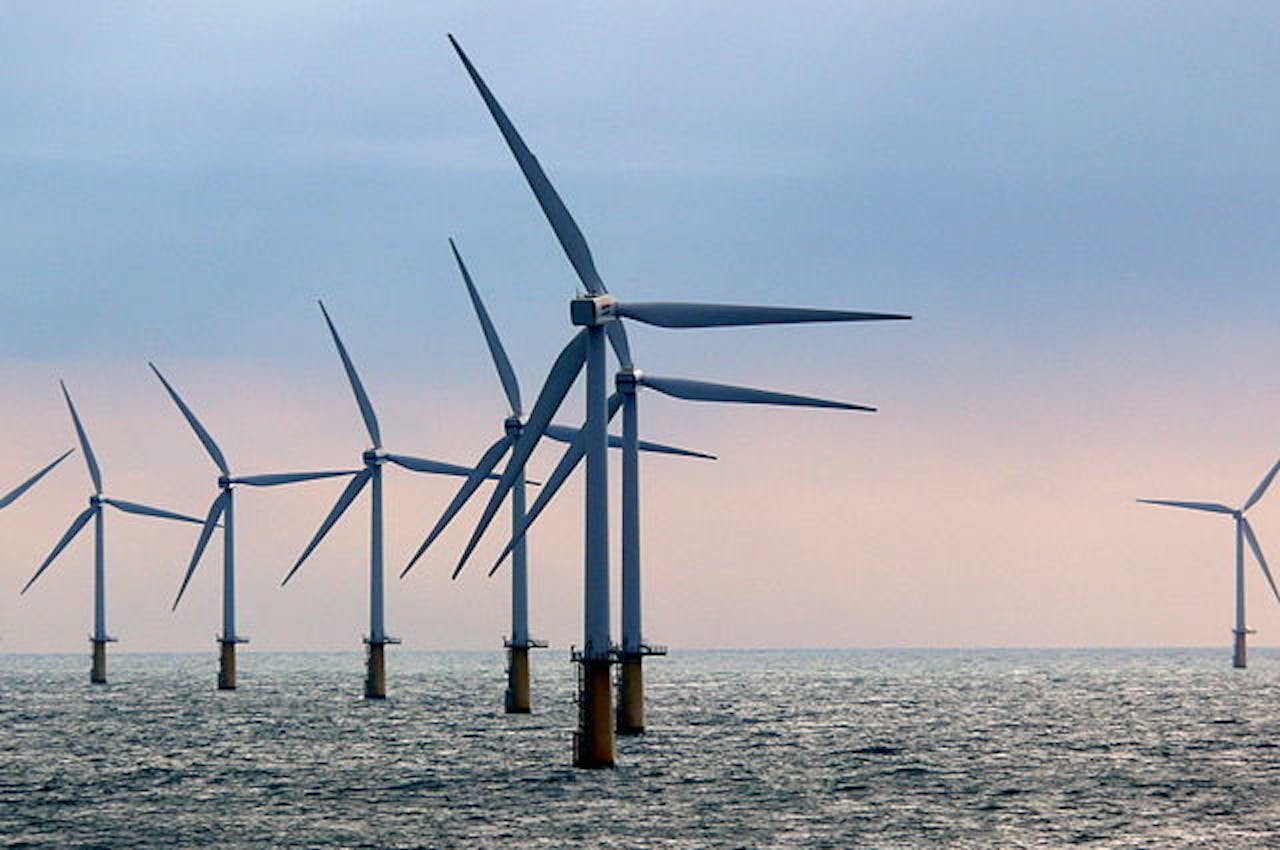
(598, 314)
(223, 507)
(1244, 532)
(517, 699)
(375, 685)
(100, 638)
(630, 716)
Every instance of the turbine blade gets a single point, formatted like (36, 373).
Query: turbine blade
(670, 314)
(1212, 507)
(568, 462)
(561, 377)
(147, 510)
(1261, 489)
(89, 459)
(210, 523)
(421, 464)
(1257, 553)
(707, 391)
(273, 479)
(362, 398)
(662, 448)
(339, 508)
(562, 433)
(12, 496)
(76, 524)
(565, 434)
(482, 471)
(500, 362)
(209, 445)
(566, 229)
(617, 333)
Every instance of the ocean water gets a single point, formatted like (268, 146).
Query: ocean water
(839, 749)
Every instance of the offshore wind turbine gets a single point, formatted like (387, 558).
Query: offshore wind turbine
(630, 715)
(1244, 532)
(375, 684)
(100, 637)
(598, 314)
(517, 699)
(223, 507)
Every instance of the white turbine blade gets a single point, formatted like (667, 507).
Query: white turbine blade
(362, 398)
(209, 445)
(500, 361)
(13, 495)
(565, 434)
(273, 479)
(1212, 507)
(344, 501)
(561, 377)
(1261, 489)
(89, 459)
(76, 524)
(671, 314)
(566, 229)
(568, 462)
(617, 333)
(210, 523)
(662, 448)
(421, 464)
(147, 510)
(482, 470)
(707, 391)
(1257, 553)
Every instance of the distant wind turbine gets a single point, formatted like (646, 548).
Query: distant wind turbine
(100, 638)
(223, 508)
(1244, 531)
(517, 700)
(375, 686)
(598, 314)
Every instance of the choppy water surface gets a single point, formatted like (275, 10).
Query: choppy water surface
(868, 749)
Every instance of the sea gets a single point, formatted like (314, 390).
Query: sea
(745, 749)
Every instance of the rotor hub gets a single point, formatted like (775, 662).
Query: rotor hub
(592, 310)
(627, 380)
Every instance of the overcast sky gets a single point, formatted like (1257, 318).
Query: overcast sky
(1077, 202)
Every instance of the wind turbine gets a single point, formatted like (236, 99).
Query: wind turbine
(16, 493)
(375, 685)
(100, 638)
(223, 507)
(598, 314)
(630, 683)
(517, 698)
(1244, 532)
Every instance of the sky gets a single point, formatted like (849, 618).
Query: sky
(1077, 203)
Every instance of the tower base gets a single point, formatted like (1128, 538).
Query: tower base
(98, 673)
(375, 679)
(227, 666)
(630, 714)
(593, 742)
(1239, 657)
(517, 699)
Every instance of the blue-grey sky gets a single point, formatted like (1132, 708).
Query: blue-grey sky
(1078, 202)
